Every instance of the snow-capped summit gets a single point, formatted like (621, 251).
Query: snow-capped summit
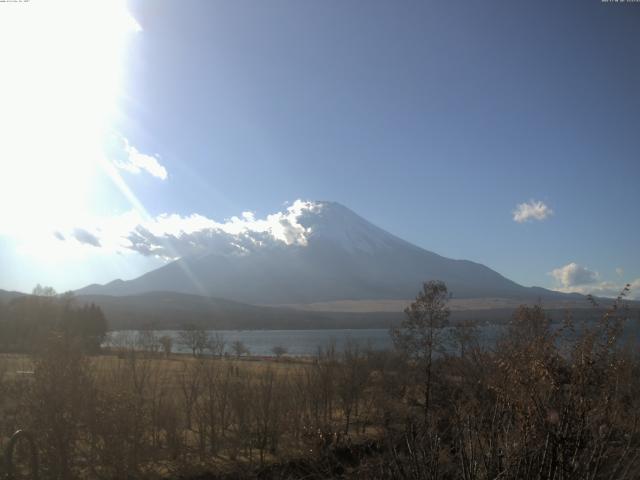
(335, 223)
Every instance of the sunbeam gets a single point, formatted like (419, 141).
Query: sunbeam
(62, 72)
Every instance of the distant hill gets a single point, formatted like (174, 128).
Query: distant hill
(6, 296)
(329, 253)
(171, 310)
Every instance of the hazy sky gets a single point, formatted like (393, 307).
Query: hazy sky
(503, 132)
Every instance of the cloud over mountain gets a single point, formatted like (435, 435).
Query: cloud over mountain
(171, 236)
(575, 278)
(573, 274)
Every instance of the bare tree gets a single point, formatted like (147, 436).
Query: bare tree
(194, 339)
(122, 341)
(419, 333)
(463, 336)
(279, 351)
(351, 381)
(216, 344)
(190, 383)
(166, 342)
(267, 394)
(147, 341)
(239, 348)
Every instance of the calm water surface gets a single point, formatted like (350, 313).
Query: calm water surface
(307, 342)
(299, 342)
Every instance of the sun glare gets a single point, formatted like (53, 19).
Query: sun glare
(61, 77)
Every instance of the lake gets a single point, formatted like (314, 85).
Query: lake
(300, 342)
(307, 342)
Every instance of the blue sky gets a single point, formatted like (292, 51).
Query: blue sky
(433, 120)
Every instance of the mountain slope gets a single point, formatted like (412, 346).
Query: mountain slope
(326, 253)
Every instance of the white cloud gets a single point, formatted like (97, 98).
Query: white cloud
(531, 210)
(620, 271)
(606, 289)
(173, 236)
(134, 161)
(573, 274)
(574, 278)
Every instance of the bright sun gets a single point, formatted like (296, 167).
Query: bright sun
(59, 87)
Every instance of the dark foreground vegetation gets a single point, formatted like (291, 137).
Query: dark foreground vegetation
(27, 322)
(541, 404)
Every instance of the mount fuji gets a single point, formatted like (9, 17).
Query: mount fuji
(312, 252)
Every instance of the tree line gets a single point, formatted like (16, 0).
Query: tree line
(192, 338)
(26, 322)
